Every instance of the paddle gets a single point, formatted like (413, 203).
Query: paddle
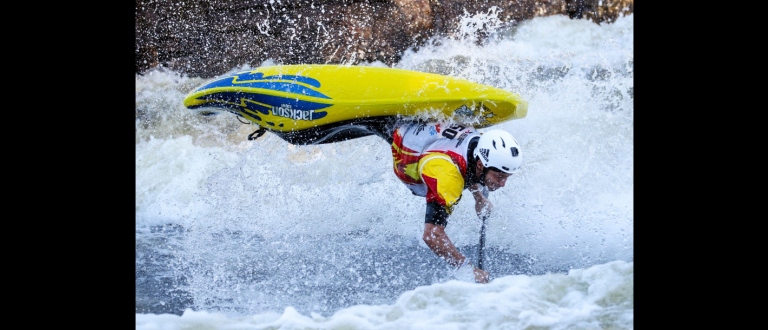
(482, 243)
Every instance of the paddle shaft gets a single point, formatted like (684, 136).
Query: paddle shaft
(482, 244)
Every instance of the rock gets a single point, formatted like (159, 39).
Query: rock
(208, 38)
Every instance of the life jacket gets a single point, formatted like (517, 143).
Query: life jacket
(419, 145)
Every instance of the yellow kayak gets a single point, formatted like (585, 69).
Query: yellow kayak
(291, 98)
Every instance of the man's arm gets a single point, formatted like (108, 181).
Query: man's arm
(440, 244)
(444, 189)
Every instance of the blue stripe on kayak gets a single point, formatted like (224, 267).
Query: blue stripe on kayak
(275, 83)
(240, 101)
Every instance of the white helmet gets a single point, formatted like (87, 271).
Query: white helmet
(497, 149)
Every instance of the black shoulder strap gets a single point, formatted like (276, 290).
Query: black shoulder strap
(471, 163)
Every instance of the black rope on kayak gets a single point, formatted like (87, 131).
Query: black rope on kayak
(240, 120)
(259, 132)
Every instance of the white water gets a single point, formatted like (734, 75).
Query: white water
(262, 234)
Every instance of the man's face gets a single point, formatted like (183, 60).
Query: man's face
(493, 179)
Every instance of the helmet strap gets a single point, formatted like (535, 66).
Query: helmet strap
(482, 178)
(473, 177)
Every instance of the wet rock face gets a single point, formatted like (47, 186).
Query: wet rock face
(206, 38)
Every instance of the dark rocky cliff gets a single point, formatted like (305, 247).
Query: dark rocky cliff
(206, 38)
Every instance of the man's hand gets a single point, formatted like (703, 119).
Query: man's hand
(481, 276)
(483, 206)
